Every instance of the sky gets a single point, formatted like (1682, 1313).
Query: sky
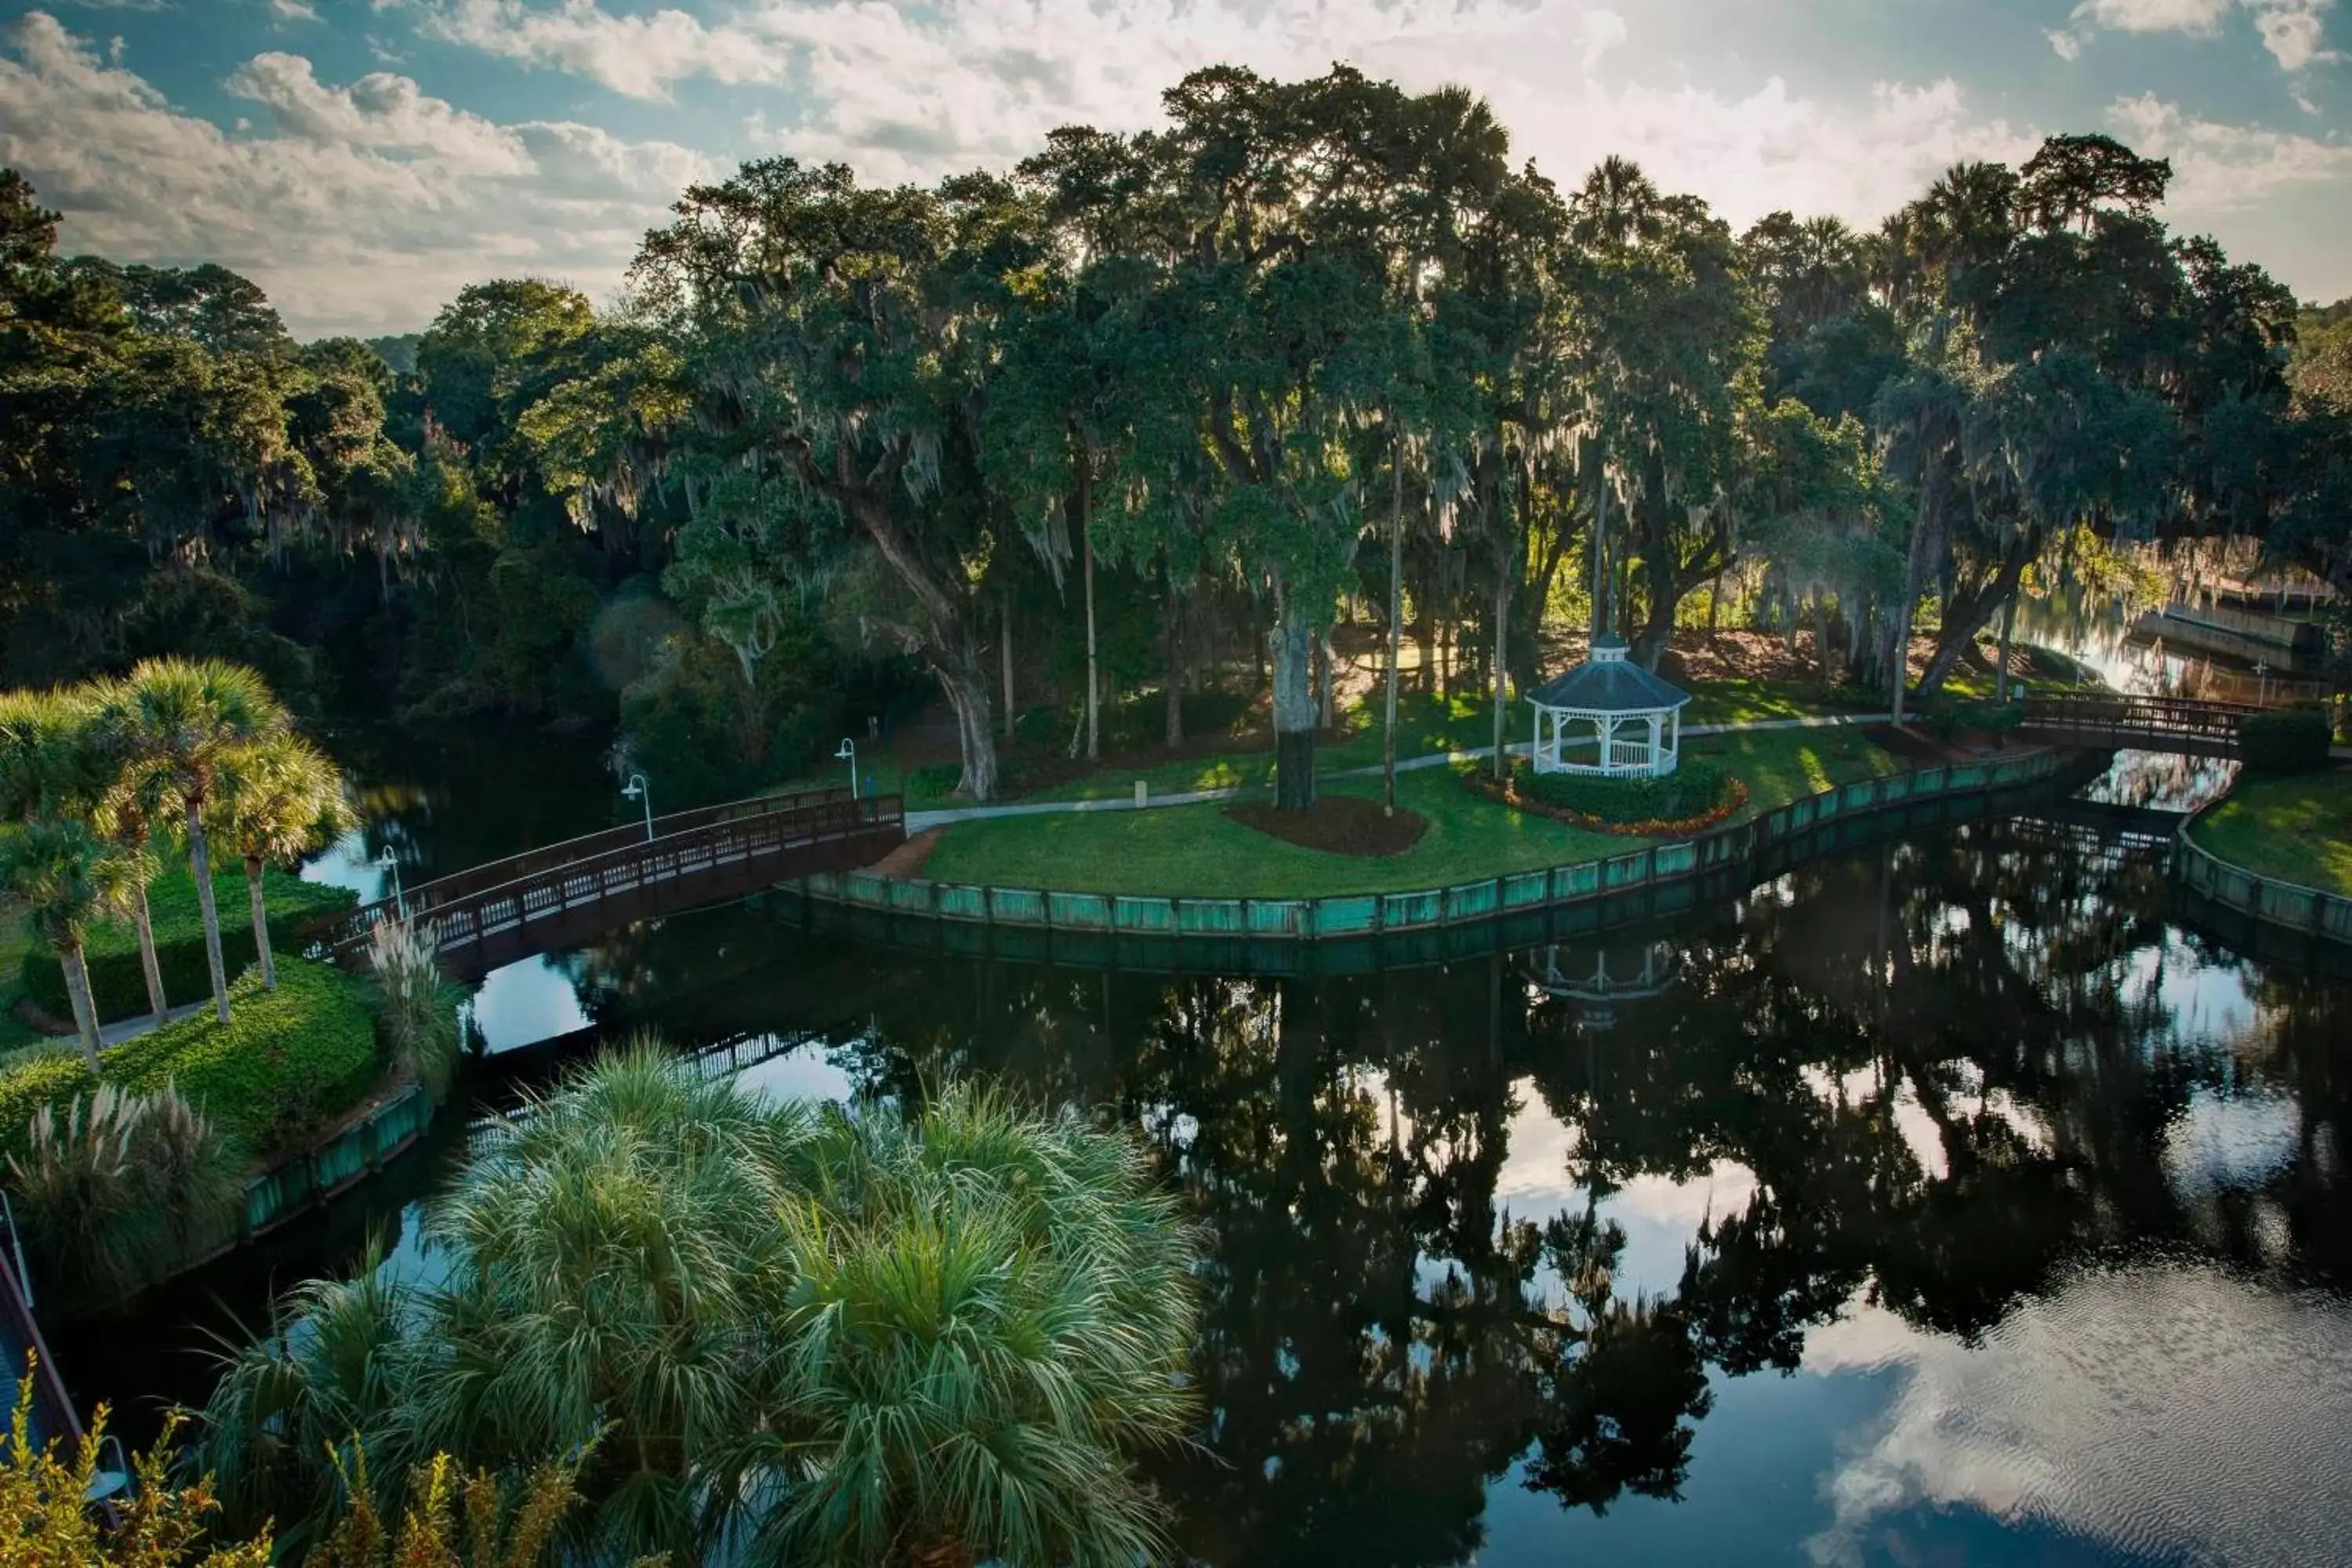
(363, 160)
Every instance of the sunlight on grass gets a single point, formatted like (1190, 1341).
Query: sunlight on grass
(2295, 830)
(1197, 850)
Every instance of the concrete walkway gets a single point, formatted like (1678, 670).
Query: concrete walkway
(917, 821)
(123, 1029)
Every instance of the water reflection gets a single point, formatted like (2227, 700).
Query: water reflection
(1942, 1202)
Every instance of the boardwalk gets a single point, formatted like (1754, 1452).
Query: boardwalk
(572, 892)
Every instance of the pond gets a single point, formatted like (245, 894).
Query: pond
(1944, 1201)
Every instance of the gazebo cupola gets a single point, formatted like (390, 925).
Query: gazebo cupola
(1609, 716)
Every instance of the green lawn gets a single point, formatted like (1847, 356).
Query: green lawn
(2296, 829)
(1196, 851)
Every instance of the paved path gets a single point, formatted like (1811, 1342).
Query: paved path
(916, 821)
(123, 1029)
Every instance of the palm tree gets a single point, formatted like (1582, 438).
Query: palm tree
(806, 1336)
(66, 877)
(278, 800)
(182, 721)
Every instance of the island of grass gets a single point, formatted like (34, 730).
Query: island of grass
(118, 988)
(1200, 851)
(2297, 828)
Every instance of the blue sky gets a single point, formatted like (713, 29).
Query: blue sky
(364, 159)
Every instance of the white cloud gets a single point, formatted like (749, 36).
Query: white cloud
(380, 110)
(363, 207)
(2291, 30)
(293, 11)
(2152, 15)
(2218, 168)
(1603, 31)
(638, 56)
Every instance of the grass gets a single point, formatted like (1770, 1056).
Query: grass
(1744, 702)
(288, 1061)
(2297, 829)
(1197, 850)
(15, 936)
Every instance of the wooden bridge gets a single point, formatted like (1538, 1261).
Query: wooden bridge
(568, 893)
(2178, 724)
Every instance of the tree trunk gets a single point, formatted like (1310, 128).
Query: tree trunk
(1503, 585)
(148, 963)
(200, 866)
(1094, 677)
(967, 693)
(2008, 635)
(1396, 630)
(1174, 734)
(84, 1011)
(1294, 705)
(1962, 622)
(260, 923)
(1329, 685)
(1005, 624)
(1821, 641)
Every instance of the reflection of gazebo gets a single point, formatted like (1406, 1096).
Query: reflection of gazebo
(1608, 716)
(1597, 978)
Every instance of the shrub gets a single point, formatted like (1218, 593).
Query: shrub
(154, 1524)
(417, 1021)
(119, 1187)
(936, 782)
(2284, 740)
(118, 989)
(34, 1082)
(1694, 789)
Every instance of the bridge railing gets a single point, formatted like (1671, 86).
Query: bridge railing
(2111, 715)
(597, 868)
(568, 851)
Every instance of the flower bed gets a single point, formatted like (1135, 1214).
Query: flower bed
(1508, 792)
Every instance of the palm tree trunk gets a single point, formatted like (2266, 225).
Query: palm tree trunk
(148, 963)
(85, 1011)
(200, 865)
(260, 923)
(1094, 679)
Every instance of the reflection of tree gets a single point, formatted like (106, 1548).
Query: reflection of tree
(1950, 1067)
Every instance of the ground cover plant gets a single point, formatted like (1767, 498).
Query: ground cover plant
(2296, 829)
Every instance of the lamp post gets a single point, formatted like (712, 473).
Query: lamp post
(389, 864)
(848, 754)
(2263, 674)
(636, 790)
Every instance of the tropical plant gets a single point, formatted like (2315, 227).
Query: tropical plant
(280, 799)
(185, 721)
(504, 1526)
(812, 1336)
(67, 878)
(120, 1186)
(418, 1018)
(45, 1523)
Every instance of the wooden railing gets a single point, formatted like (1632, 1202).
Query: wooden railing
(547, 898)
(2148, 723)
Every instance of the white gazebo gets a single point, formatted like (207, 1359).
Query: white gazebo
(1608, 716)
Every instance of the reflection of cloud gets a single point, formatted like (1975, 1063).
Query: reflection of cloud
(2164, 1413)
(2235, 1141)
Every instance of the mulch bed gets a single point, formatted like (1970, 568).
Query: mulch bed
(905, 862)
(1336, 823)
(1736, 796)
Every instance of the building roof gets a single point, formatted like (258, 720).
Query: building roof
(1609, 682)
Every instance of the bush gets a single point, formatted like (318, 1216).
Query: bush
(1694, 789)
(119, 1186)
(2284, 740)
(117, 987)
(936, 782)
(418, 1019)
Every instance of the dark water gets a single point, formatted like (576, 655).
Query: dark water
(1944, 1201)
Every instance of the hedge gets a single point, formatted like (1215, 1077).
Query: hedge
(2284, 740)
(287, 1062)
(116, 984)
(1694, 788)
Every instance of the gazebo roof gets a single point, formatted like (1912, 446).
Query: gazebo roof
(1609, 682)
